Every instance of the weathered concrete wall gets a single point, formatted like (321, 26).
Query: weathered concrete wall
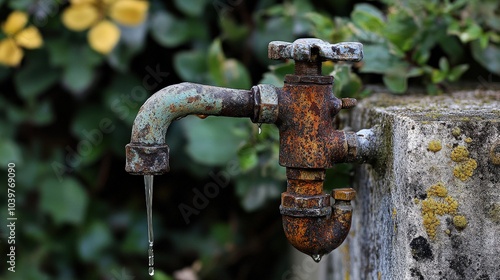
(429, 207)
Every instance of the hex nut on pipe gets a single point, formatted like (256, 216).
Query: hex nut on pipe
(345, 194)
(266, 107)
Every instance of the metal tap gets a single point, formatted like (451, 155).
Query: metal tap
(304, 111)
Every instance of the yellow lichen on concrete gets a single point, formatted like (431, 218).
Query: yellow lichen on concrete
(464, 170)
(460, 222)
(466, 166)
(456, 131)
(434, 146)
(460, 153)
(437, 190)
(438, 203)
(468, 140)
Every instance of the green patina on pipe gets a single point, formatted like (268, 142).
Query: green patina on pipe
(147, 152)
(180, 100)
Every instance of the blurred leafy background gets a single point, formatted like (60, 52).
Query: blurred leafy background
(74, 74)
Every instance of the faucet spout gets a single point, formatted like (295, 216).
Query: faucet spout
(147, 153)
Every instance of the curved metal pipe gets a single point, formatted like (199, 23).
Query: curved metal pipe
(319, 235)
(147, 153)
(310, 223)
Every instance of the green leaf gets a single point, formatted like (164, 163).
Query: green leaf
(272, 79)
(487, 57)
(222, 233)
(9, 152)
(92, 125)
(472, 33)
(191, 7)
(437, 76)
(233, 31)
(248, 158)
(401, 31)
(273, 29)
(457, 71)
(254, 191)
(368, 17)
(214, 141)
(35, 77)
(215, 61)
(42, 113)
(20, 4)
(396, 83)
(93, 241)
(168, 30)
(159, 275)
(378, 59)
(323, 25)
(453, 48)
(77, 77)
(444, 65)
(235, 75)
(226, 72)
(125, 94)
(65, 202)
(191, 66)
(136, 238)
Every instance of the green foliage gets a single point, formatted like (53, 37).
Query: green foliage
(66, 114)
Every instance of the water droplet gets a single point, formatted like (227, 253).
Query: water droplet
(316, 258)
(148, 184)
(260, 129)
(202, 116)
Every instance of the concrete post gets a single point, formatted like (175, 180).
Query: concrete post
(429, 206)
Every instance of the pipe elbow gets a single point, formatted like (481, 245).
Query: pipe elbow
(147, 153)
(317, 234)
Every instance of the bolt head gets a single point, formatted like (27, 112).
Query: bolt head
(346, 194)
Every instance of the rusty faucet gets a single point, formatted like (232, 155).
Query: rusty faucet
(304, 111)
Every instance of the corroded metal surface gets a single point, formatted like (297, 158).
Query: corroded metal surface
(311, 49)
(310, 223)
(266, 103)
(308, 138)
(318, 236)
(310, 144)
(147, 152)
(303, 110)
(151, 160)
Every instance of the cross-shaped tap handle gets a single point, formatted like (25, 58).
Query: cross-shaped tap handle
(312, 50)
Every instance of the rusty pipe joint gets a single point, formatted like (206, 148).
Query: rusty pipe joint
(266, 106)
(312, 225)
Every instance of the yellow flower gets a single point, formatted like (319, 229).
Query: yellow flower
(103, 34)
(18, 35)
